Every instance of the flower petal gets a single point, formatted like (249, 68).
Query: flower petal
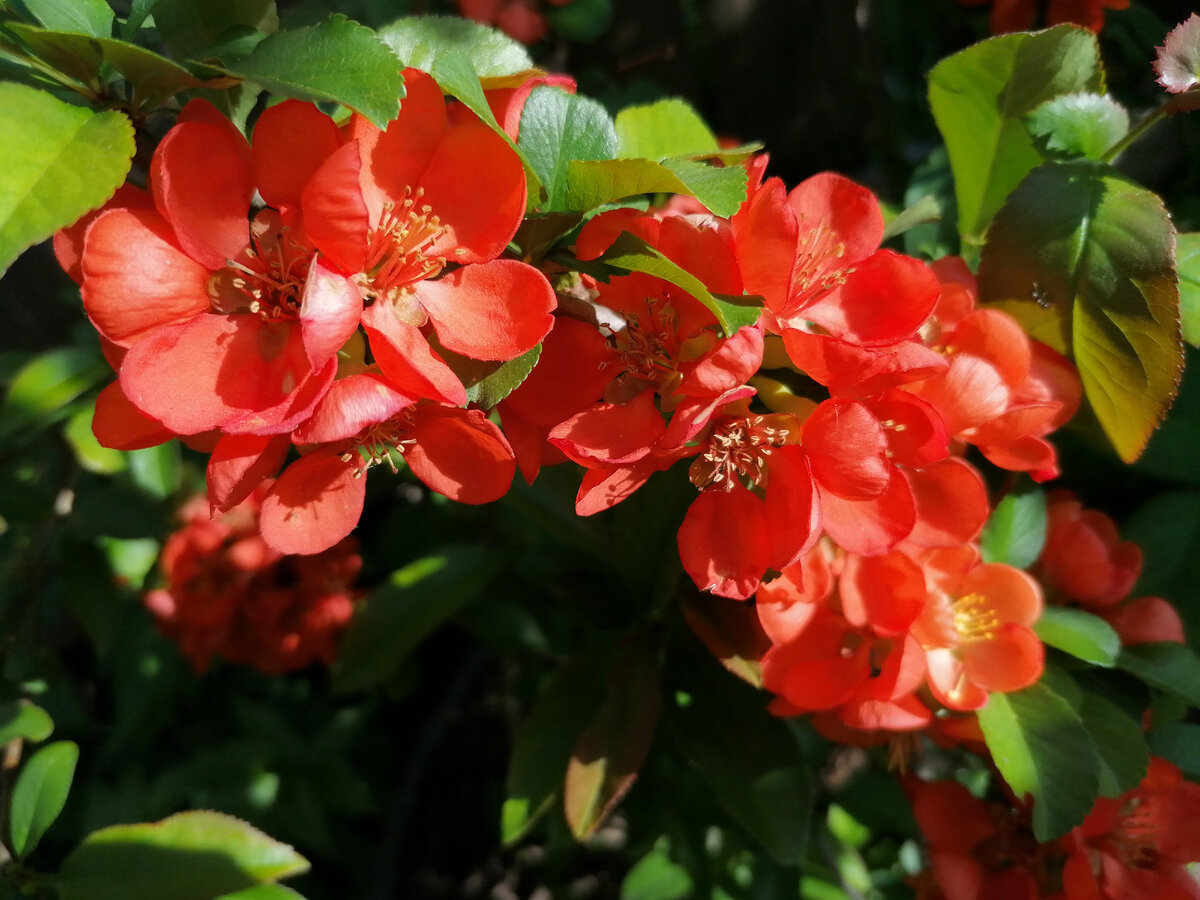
(290, 141)
(847, 449)
(239, 463)
(350, 405)
(330, 309)
(315, 503)
(724, 542)
(120, 425)
(407, 359)
(461, 454)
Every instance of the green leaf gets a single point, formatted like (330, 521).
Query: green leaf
(932, 178)
(655, 131)
(44, 386)
(1170, 667)
(1016, 530)
(558, 129)
(419, 40)
(88, 452)
(749, 759)
(1119, 743)
(544, 740)
(657, 877)
(591, 184)
(263, 892)
(1041, 747)
(59, 161)
(22, 719)
(488, 382)
(40, 794)
(1079, 124)
(1082, 257)
(580, 20)
(188, 856)
(191, 27)
(1180, 743)
(925, 210)
(90, 17)
(979, 97)
(336, 60)
(1187, 261)
(611, 750)
(139, 11)
(633, 254)
(157, 470)
(403, 611)
(1079, 633)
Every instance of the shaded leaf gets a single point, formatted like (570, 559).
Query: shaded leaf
(979, 96)
(22, 719)
(925, 210)
(1043, 750)
(750, 760)
(59, 162)
(1078, 124)
(1180, 743)
(1016, 530)
(40, 793)
(404, 610)
(669, 127)
(420, 40)
(336, 60)
(1170, 667)
(489, 382)
(190, 27)
(558, 129)
(44, 386)
(580, 20)
(609, 753)
(544, 740)
(157, 470)
(1178, 59)
(1187, 261)
(1120, 745)
(90, 17)
(1083, 258)
(656, 877)
(1079, 633)
(188, 856)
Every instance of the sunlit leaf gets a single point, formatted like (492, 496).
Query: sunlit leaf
(669, 127)
(90, 17)
(488, 382)
(1043, 750)
(1079, 633)
(1187, 260)
(558, 129)
(1078, 124)
(420, 40)
(59, 162)
(592, 183)
(1082, 257)
(22, 719)
(40, 793)
(1178, 60)
(1016, 530)
(188, 856)
(43, 387)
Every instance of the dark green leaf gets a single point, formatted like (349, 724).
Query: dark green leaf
(655, 131)
(932, 178)
(420, 40)
(979, 97)
(749, 759)
(139, 11)
(1180, 743)
(558, 129)
(656, 877)
(580, 20)
(59, 161)
(22, 719)
(1079, 633)
(402, 612)
(1170, 667)
(1119, 743)
(40, 794)
(1167, 528)
(611, 750)
(925, 210)
(544, 740)
(42, 389)
(633, 254)
(591, 184)
(1078, 125)
(1016, 530)
(337, 60)
(488, 382)
(157, 470)
(191, 27)
(1042, 749)
(90, 17)
(1082, 257)
(188, 856)
(76, 56)
(1187, 260)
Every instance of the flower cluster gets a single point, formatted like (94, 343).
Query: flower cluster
(1021, 15)
(227, 594)
(1137, 845)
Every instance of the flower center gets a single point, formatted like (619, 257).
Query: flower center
(381, 443)
(1135, 838)
(268, 280)
(817, 270)
(974, 618)
(737, 453)
(399, 248)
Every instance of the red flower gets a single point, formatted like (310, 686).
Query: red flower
(1083, 557)
(1138, 845)
(1020, 15)
(229, 595)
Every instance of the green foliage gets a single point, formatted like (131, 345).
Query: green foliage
(25, 720)
(403, 611)
(191, 27)
(59, 161)
(656, 877)
(1016, 530)
(558, 130)
(40, 794)
(419, 42)
(336, 60)
(188, 856)
(581, 20)
(657, 130)
(91, 17)
(488, 382)
(1119, 744)
(41, 391)
(1043, 750)
(1187, 259)
(1082, 258)
(1170, 667)
(1079, 633)
(979, 97)
(591, 184)
(1078, 125)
